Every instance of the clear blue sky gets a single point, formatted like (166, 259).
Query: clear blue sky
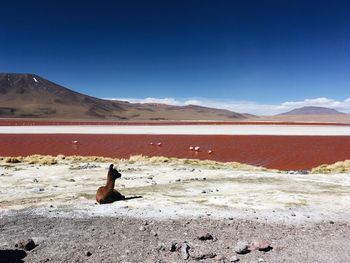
(262, 51)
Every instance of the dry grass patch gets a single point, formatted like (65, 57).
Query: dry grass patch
(195, 162)
(12, 159)
(140, 159)
(338, 167)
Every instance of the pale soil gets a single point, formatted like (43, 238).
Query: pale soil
(229, 129)
(304, 216)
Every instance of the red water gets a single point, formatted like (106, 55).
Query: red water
(278, 152)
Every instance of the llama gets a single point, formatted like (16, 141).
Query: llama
(107, 194)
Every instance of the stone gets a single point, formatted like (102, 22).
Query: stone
(205, 255)
(88, 253)
(161, 247)
(205, 237)
(27, 244)
(184, 251)
(221, 259)
(154, 233)
(293, 214)
(261, 245)
(142, 228)
(242, 247)
(173, 246)
(234, 259)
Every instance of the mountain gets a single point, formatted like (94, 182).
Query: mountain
(311, 110)
(31, 96)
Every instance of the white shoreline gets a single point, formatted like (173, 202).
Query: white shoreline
(226, 192)
(296, 130)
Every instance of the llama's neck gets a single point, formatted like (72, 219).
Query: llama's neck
(110, 183)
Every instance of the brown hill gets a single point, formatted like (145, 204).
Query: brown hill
(31, 96)
(312, 110)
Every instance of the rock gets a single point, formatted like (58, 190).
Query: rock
(154, 233)
(184, 251)
(173, 246)
(234, 259)
(260, 260)
(205, 237)
(71, 180)
(88, 253)
(221, 259)
(35, 180)
(204, 192)
(161, 247)
(261, 245)
(27, 244)
(242, 247)
(293, 214)
(178, 180)
(205, 255)
(331, 222)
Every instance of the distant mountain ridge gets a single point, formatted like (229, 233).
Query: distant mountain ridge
(313, 110)
(31, 96)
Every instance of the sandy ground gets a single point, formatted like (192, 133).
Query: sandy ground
(316, 130)
(304, 216)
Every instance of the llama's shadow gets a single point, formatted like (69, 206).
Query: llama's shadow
(12, 256)
(131, 197)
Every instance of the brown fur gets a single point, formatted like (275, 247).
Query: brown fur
(107, 194)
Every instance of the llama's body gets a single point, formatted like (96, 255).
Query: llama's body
(107, 194)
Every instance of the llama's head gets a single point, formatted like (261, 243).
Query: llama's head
(113, 173)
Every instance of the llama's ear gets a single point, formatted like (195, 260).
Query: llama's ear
(111, 167)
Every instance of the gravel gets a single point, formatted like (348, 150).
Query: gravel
(118, 239)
